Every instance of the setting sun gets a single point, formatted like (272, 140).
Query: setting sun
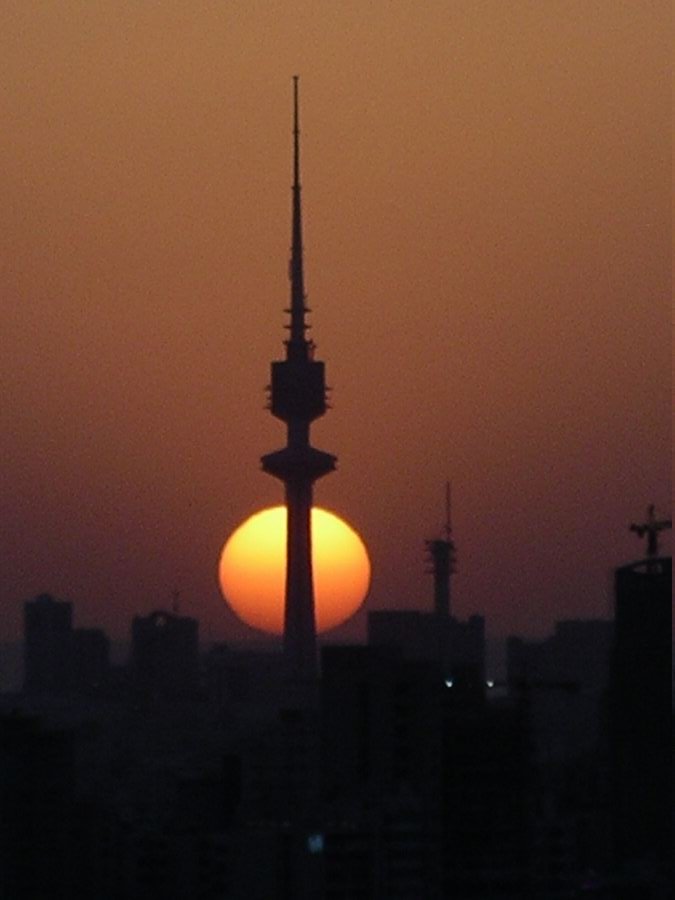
(252, 569)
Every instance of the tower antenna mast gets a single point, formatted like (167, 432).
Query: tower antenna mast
(651, 529)
(448, 506)
(298, 344)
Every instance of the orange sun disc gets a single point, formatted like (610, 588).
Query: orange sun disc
(252, 570)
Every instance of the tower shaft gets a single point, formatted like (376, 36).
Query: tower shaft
(442, 553)
(441, 558)
(300, 648)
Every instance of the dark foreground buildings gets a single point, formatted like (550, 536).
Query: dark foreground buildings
(164, 655)
(48, 644)
(58, 657)
(640, 714)
(457, 648)
(193, 776)
(430, 794)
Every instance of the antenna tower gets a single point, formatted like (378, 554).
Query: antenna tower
(297, 396)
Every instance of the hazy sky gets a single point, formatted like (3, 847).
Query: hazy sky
(487, 203)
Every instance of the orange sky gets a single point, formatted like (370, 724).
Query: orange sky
(488, 257)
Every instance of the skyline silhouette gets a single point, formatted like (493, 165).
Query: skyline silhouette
(489, 245)
(490, 281)
(408, 775)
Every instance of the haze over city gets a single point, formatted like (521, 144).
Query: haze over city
(488, 260)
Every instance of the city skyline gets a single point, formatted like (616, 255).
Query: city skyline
(487, 241)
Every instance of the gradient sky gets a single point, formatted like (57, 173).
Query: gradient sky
(487, 201)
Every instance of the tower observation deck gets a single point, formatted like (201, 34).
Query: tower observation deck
(298, 397)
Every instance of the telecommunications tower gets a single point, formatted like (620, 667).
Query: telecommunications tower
(298, 397)
(442, 554)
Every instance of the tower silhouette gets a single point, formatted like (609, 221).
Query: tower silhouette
(298, 397)
(442, 554)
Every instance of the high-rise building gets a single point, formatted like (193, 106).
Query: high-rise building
(48, 645)
(640, 711)
(577, 652)
(458, 647)
(430, 792)
(383, 788)
(563, 681)
(91, 659)
(165, 655)
(298, 397)
(37, 799)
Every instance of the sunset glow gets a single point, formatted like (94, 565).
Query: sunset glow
(252, 569)
(487, 233)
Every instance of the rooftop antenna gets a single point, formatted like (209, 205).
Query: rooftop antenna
(650, 529)
(448, 519)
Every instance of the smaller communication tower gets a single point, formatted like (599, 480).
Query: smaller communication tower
(442, 555)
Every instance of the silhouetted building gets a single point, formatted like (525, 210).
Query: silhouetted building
(251, 678)
(577, 651)
(298, 397)
(487, 803)
(91, 659)
(641, 712)
(458, 648)
(37, 799)
(441, 552)
(430, 792)
(48, 645)
(565, 679)
(165, 655)
(382, 723)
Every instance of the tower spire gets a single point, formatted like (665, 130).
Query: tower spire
(448, 512)
(297, 347)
